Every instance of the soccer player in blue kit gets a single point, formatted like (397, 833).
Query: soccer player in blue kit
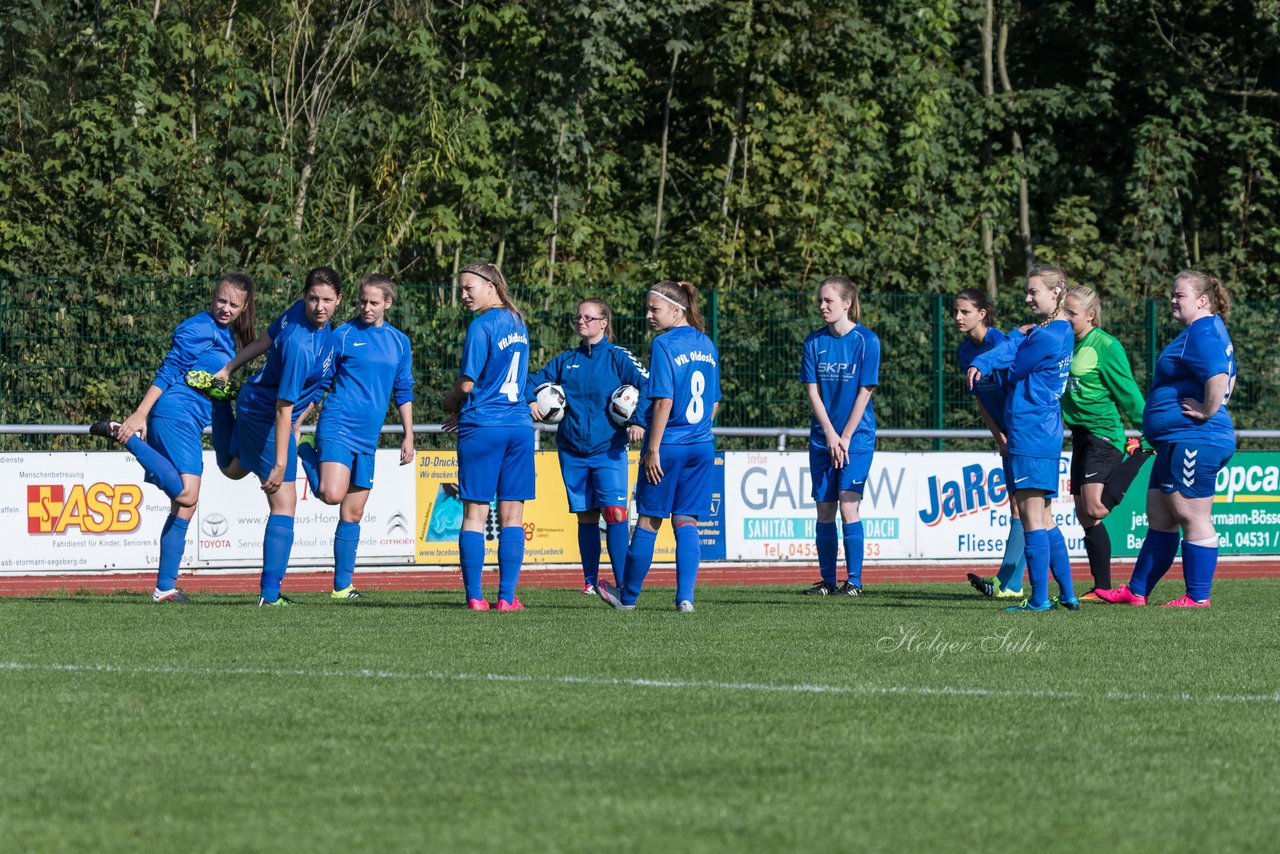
(592, 451)
(297, 368)
(164, 432)
(1187, 422)
(678, 460)
(840, 369)
(1038, 362)
(975, 317)
(495, 432)
(372, 363)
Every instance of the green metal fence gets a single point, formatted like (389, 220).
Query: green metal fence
(72, 352)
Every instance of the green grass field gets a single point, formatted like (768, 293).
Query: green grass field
(765, 721)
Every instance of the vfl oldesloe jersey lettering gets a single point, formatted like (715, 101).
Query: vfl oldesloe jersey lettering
(495, 356)
(684, 366)
(372, 364)
(840, 365)
(1200, 351)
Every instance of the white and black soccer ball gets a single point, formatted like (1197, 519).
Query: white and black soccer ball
(622, 404)
(552, 402)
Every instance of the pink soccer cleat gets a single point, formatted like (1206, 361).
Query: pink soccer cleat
(478, 604)
(1121, 595)
(1185, 601)
(514, 605)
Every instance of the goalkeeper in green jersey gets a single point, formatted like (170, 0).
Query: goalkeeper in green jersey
(1100, 390)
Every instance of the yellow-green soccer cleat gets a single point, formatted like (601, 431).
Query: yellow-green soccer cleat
(348, 593)
(1009, 594)
(279, 603)
(210, 386)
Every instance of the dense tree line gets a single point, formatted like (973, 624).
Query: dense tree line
(918, 145)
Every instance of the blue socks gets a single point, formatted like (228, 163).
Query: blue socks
(157, 465)
(853, 539)
(309, 459)
(589, 548)
(828, 547)
(1014, 562)
(1060, 562)
(688, 556)
(615, 537)
(510, 559)
(471, 561)
(224, 428)
(346, 539)
(1037, 545)
(173, 542)
(277, 543)
(1154, 559)
(1198, 565)
(639, 559)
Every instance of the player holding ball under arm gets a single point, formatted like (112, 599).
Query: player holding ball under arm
(592, 451)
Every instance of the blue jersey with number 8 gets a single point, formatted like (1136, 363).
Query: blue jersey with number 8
(495, 356)
(685, 366)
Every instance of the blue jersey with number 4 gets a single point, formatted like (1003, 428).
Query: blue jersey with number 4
(684, 366)
(841, 365)
(495, 357)
(1201, 351)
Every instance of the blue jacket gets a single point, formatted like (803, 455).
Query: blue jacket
(589, 374)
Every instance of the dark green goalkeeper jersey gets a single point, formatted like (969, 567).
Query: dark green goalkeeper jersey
(1100, 388)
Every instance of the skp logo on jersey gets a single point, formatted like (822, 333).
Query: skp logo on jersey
(102, 508)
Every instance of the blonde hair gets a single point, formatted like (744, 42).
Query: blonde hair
(1053, 277)
(1203, 283)
(492, 274)
(382, 283)
(1089, 301)
(684, 295)
(847, 290)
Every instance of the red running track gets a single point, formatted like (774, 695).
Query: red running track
(447, 578)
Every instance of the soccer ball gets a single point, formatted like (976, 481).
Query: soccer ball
(622, 404)
(551, 401)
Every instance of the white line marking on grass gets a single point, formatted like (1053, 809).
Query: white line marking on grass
(696, 684)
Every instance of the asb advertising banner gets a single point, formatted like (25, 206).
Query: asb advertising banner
(70, 511)
(550, 530)
(1246, 508)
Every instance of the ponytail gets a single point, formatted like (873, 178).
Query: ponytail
(492, 274)
(981, 302)
(685, 296)
(1204, 284)
(244, 326)
(848, 290)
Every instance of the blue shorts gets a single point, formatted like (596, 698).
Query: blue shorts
(594, 482)
(258, 449)
(1008, 476)
(496, 462)
(1033, 473)
(829, 481)
(359, 463)
(685, 489)
(179, 443)
(1187, 468)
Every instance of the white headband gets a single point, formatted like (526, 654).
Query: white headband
(668, 299)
